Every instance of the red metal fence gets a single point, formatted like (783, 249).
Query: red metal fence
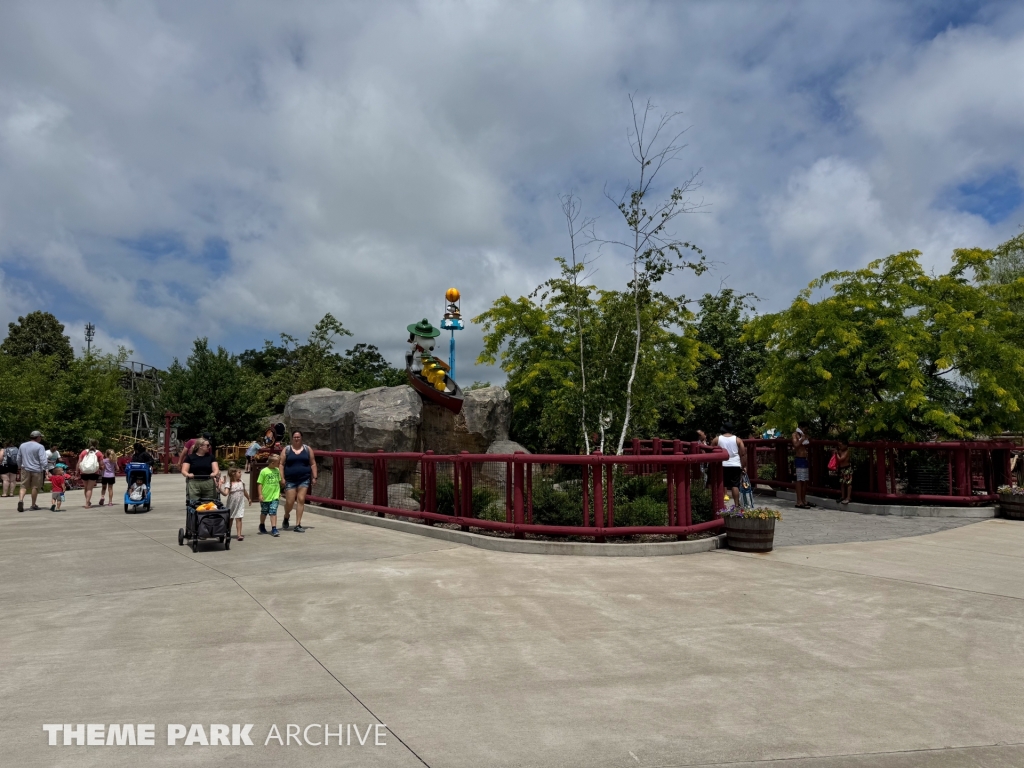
(591, 496)
(952, 473)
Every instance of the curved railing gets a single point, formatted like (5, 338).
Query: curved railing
(546, 495)
(941, 473)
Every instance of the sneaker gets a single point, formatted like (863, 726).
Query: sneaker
(299, 529)
(53, 507)
(101, 502)
(286, 525)
(21, 506)
(274, 532)
(35, 508)
(262, 530)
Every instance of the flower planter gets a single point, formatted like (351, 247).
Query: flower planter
(1012, 506)
(749, 534)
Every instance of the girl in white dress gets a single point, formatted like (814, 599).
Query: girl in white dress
(238, 497)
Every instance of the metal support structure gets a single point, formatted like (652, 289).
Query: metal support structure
(168, 418)
(141, 383)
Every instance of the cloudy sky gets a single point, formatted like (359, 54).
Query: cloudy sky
(234, 170)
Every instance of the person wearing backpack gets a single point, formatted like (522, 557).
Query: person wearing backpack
(9, 468)
(89, 469)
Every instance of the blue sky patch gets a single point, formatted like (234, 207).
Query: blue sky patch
(993, 197)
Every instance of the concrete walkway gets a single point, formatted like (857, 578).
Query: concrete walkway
(894, 653)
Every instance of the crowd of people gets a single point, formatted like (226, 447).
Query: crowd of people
(734, 468)
(289, 474)
(293, 471)
(31, 465)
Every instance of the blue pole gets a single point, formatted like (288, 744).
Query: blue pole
(451, 355)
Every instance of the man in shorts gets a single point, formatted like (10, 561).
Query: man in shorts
(802, 463)
(32, 461)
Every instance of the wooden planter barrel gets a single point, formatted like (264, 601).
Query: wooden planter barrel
(1012, 506)
(749, 534)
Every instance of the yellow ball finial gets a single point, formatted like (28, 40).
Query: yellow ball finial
(452, 294)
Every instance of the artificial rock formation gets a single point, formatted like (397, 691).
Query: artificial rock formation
(397, 419)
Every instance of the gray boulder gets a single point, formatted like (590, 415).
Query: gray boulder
(488, 413)
(325, 417)
(396, 419)
(400, 496)
(388, 418)
(506, 447)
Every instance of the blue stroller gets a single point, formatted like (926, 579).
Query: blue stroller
(138, 473)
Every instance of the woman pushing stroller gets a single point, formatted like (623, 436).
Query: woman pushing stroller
(201, 472)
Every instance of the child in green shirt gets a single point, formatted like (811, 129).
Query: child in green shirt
(269, 483)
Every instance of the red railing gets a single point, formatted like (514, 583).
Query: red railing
(949, 473)
(552, 495)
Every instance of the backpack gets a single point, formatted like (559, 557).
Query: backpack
(11, 456)
(89, 465)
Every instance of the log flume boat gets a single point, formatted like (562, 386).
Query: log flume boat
(450, 400)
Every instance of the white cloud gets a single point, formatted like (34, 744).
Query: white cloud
(360, 159)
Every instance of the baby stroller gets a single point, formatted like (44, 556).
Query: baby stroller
(200, 526)
(138, 473)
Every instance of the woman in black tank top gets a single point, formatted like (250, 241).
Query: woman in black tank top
(299, 467)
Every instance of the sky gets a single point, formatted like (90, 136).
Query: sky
(235, 170)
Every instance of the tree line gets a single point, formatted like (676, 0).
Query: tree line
(230, 395)
(890, 352)
(74, 398)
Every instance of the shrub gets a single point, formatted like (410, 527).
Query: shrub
(643, 510)
(557, 507)
(483, 499)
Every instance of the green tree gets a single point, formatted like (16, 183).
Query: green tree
(70, 404)
(535, 340)
(291, 368)
(38, 333)
(87, 401)
(1008, 261)
(726, 388)
(213, 393)
(897, 353)
(653, 251)
(364, 367)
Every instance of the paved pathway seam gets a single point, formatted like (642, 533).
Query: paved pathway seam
(291, 635)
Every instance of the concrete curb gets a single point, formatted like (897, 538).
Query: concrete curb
(527, 546)
(897, 510)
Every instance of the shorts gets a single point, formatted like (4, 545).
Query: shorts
(32, 481)
(289, 485)
(57, 496)
(5, 470)
(846, 475)
(732, 476)
(108, 480)
(803, 469)
(94, 476)
(269, 507)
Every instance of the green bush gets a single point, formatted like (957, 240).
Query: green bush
(700, 503)
(644, 510)
(483, 500)
(557, 507)
(641, 486)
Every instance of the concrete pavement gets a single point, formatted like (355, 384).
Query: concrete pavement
(895, 653)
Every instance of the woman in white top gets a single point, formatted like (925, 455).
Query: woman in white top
(733, 467)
